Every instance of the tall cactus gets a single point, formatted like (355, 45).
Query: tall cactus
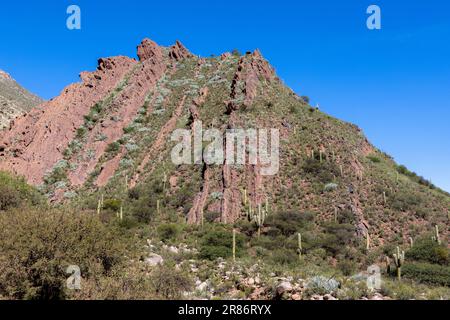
(99, 206)
(367, 241)
(234, 245)
(259, 219)
(399, 260)
(121, 213)
(300, 248)
(158, 206)
(436, 236)
(411, 242)
(164, 180)
(244, 196)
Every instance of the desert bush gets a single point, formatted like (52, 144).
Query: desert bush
(170, 283)
(405, 200)
(323, 171)
(38, 246)
(427, 273)
(113, 147)
(112, 205)
(337, 237)
(218, 243)
(427, 250)
(398, 290)
(374, 159)
(168, 231)
(305, 99)
(289, 223)
(15, 192)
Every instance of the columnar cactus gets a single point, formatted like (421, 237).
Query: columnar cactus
(121, 213)
(259, 218)
(321, 155)
(234, 245)
(367, 241)
(399, 260)
(300, 248)
(249, 211)
(436, 236)
(384, 198)
(335, 214)
(411, 242)
(99, 206)
(158, 206)
(126, 182)
(164, 180)
(244, 197)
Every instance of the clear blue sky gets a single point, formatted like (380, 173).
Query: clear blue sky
(393, 83)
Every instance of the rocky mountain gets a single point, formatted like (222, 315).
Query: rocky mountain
(109, 135)
(14, 100)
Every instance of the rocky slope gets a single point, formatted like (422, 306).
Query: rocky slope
(110, 134)
(14, 100)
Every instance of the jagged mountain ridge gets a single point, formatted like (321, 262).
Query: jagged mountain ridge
(14, 99)
(112, 132)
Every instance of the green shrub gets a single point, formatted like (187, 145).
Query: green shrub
(405, 200)
(337, 237)
(427, 250)
(15, 192)
(374, 159)
(168, 231)
(113, 147)
(170, 283)
(289, 223)
(218, 244)
(324, 171)
(427, 273)
(37, 246)
(112, 204)
(305, 99)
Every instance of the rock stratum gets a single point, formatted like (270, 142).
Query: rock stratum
(110, 133)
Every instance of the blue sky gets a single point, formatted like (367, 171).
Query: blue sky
(394, 83)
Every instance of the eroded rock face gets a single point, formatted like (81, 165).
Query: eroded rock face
(251, 68)
(37, 140)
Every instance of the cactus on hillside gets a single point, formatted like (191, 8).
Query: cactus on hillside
(367, 241)
(300, 248)
(164, 180)
(399, 260)
(411, 242)
(234, 245)
(259, 218)
(436, 236)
